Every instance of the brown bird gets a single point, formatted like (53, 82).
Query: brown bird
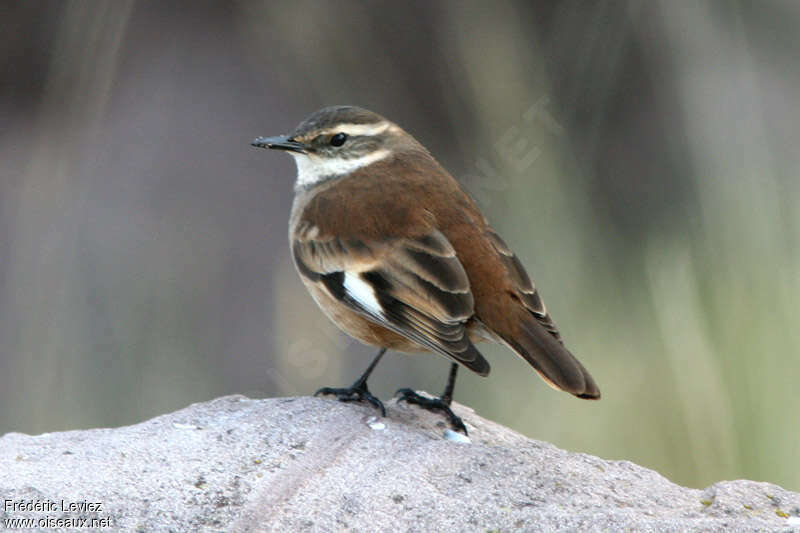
(398, 256)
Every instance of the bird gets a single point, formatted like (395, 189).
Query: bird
(398, 255)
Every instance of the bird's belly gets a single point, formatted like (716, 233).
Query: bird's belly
(356, 325)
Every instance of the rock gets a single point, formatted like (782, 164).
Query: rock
(315, 464)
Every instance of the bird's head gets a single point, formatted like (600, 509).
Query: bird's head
(335, 141)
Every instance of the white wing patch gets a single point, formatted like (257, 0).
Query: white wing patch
(363, 293)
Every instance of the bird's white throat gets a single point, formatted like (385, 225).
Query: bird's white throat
(312, 169)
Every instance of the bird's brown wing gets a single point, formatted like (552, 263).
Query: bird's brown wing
(523, 284)
(415, 287)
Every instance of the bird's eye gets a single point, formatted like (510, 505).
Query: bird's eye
(338, 139)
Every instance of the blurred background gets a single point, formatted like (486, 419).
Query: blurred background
(640, 157)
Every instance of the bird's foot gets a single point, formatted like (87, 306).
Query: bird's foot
(433, 404)
(357, 393)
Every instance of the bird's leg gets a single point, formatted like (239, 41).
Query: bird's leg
(358, 391)
(441, 403)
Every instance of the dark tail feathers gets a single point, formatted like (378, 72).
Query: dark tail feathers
(559, 368)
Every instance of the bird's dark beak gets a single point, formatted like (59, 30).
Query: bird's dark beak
(280, 142)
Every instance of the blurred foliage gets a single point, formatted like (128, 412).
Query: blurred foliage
(641, 158)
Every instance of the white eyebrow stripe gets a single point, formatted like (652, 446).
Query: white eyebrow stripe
(358, 129)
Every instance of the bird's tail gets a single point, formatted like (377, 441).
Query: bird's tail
(555, 364)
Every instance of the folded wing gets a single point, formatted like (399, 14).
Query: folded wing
(415, 287)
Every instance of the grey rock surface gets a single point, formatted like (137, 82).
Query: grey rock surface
(311, 464)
